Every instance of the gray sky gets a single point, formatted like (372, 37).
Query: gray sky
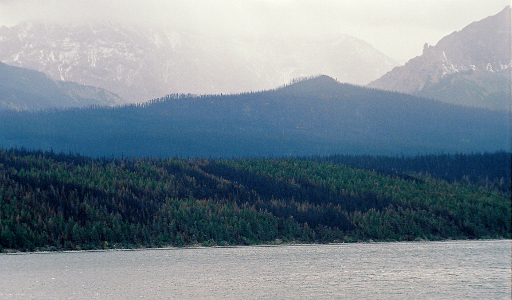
(399, 28)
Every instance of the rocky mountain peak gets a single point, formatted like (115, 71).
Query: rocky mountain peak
(470, 67)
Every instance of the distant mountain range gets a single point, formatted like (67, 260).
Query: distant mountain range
(25, 89)
(312, 117)
(470, 67)
(141, 64)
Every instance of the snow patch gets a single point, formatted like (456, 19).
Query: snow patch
(448, 67)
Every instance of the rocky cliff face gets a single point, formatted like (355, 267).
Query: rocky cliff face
(140, 64)
(469, 67)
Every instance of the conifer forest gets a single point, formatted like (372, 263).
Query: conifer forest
(55, 201)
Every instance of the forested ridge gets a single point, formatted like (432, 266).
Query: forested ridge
(52, 201)
(310, 117)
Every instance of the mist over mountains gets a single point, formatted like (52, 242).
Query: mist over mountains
(141, 64)
(470, 67)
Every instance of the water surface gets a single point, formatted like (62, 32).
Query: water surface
(413, 270)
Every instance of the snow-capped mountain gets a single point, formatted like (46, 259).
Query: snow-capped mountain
(470, 67)
(141, 64)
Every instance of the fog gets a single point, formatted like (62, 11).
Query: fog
(398, 28)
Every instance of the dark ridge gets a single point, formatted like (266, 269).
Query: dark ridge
(316, 116)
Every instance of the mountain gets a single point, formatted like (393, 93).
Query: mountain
(140, 64)
(314, 116)
(470, 67)
(25, 89)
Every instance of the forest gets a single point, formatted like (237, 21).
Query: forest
(54, 201)
(317, 116)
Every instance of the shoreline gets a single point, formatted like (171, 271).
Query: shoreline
(198, 247)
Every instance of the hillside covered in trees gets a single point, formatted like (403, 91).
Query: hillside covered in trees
(54, 201)
(318, 116)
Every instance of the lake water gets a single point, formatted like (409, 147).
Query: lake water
(412, 270)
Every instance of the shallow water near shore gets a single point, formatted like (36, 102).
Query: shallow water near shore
(408, 270)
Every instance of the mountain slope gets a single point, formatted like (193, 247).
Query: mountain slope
(316, 116)
(25, 89)
(470, 67)
(140, 64)
(62, 202)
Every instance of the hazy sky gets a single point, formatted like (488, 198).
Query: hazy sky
(399, 28)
